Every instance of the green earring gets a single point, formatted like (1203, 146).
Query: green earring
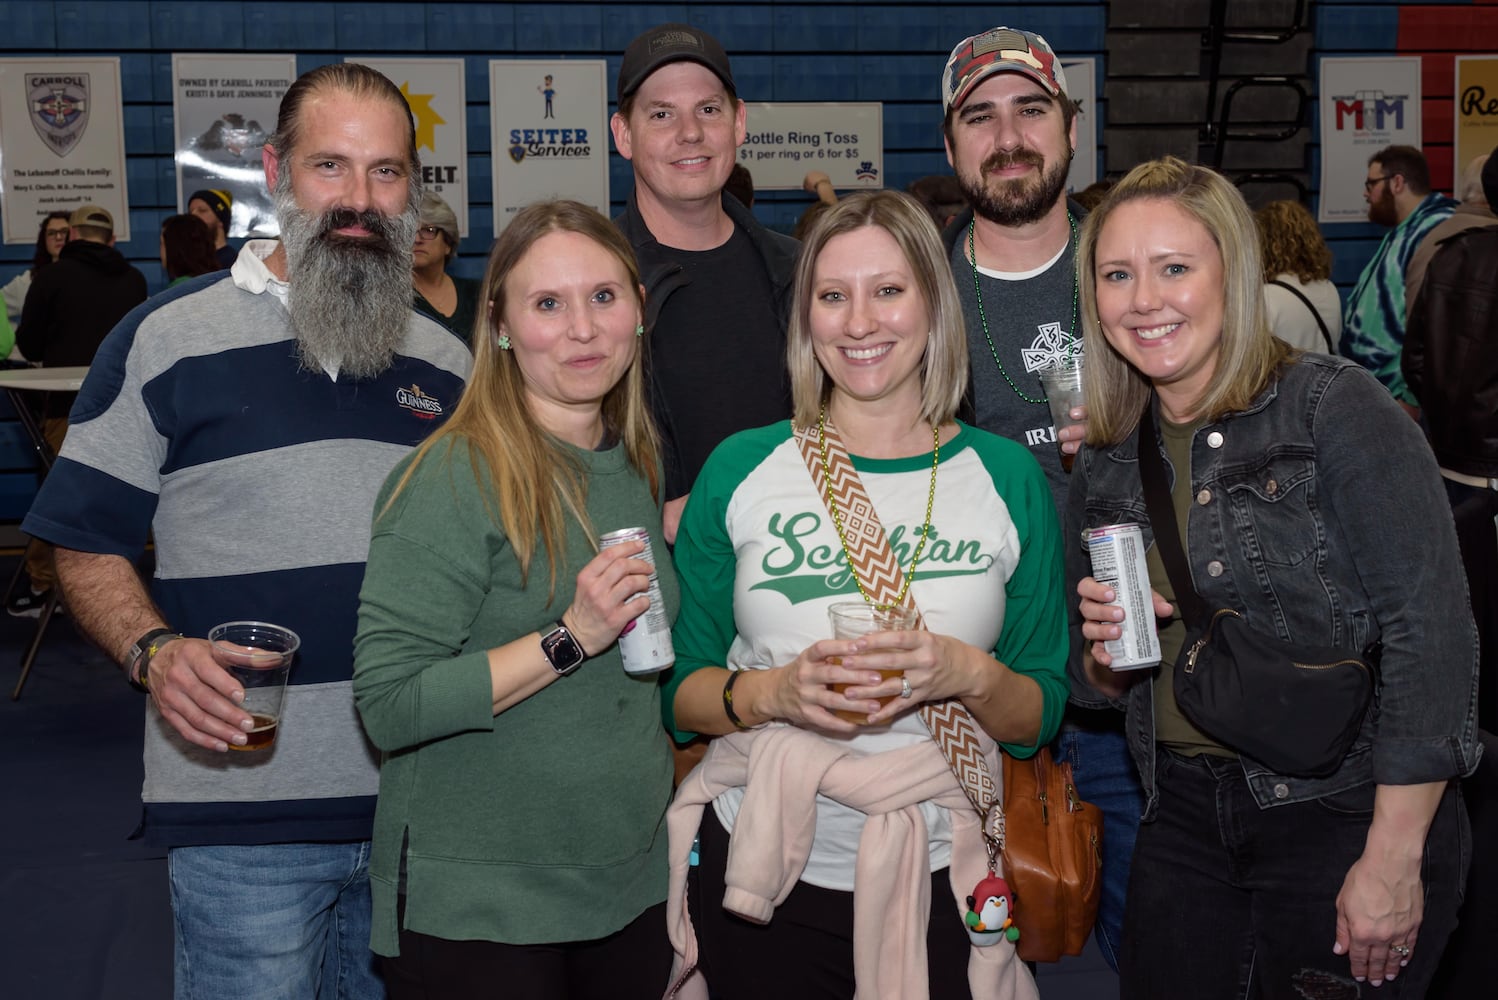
(640, 330)
(504, 342)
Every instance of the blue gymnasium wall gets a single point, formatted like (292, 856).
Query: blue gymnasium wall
(791, 51)
(807, 51)
(865, 50)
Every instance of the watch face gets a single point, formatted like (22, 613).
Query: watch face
(562, 650)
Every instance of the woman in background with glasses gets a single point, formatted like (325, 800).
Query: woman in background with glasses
(451, 301)
(51, 237)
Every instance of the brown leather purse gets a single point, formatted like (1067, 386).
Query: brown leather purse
(1052, 857)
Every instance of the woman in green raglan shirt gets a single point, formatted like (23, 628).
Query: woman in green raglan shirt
(525, 775)
(878, 361)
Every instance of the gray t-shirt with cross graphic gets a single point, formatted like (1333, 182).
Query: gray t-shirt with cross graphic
(1030, 320)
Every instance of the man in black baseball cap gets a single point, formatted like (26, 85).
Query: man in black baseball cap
(69, 309)
(670, 43)
(710, 269)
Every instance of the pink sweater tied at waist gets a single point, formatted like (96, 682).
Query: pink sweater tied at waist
(782, 769)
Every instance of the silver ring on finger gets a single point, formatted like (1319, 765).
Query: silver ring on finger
(1402, 950)
(905, 690)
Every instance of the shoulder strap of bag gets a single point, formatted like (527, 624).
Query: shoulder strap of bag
(1326, 334)
(1163, 518)
(951, 726)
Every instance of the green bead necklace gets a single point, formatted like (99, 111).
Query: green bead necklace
(1076, 282)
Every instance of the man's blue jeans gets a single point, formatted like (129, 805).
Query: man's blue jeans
(273, 922)
(1106, 777)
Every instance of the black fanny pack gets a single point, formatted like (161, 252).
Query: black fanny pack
(1296, 709)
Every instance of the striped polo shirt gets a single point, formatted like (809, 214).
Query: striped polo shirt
(198, 427)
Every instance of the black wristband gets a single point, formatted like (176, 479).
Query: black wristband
(140, 656)
(738, 723)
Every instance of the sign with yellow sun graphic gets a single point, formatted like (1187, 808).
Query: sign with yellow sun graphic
(434, 89)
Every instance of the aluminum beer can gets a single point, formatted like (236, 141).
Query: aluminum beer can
(645, 644)
(1117, 552)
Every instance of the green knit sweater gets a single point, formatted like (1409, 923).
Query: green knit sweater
(541, 824)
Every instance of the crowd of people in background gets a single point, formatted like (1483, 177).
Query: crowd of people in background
(412, 469)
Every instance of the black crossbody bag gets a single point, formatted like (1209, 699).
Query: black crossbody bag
(1294, 708)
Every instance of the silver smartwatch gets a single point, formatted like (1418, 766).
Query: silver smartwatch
(563, 651)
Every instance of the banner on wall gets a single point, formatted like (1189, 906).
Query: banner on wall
(1081, 86)
(1476, 119)
(549, 123)
(224, 107)
(786, 140)
(1365, 105)
(434, 90)
(62, 142)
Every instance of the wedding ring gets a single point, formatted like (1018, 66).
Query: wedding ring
(1402, 950)
(905, 691)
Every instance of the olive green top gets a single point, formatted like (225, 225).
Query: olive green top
(1172, 729)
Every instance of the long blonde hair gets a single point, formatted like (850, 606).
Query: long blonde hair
(536, 481)
(1248, 354)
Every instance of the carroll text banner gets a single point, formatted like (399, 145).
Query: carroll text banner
(225, 106)
(1365, 105)
(786, 140)
(62, 142)
(1476, 130)
(434, 90)
(1081, 86)
(549, 127)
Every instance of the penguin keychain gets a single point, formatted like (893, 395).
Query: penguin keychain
(990, 908)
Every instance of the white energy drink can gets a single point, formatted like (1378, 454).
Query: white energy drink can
(1117, 552)
(645, 644)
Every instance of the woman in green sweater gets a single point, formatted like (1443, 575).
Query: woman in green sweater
(525, 776)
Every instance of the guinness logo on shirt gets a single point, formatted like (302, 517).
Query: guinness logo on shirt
(418, 402)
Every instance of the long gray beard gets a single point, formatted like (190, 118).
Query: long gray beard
(350, 299)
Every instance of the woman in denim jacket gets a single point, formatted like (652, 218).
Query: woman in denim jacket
(1309, 502)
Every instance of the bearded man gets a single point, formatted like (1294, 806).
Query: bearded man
(1011, 131)
(247, 423)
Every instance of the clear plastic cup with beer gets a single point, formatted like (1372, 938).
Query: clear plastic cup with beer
(258, 655)
(852, 619)
(1063, 391)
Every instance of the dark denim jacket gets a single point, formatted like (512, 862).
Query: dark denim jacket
(1318, 512)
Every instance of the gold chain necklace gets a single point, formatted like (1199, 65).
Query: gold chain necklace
(837, 518)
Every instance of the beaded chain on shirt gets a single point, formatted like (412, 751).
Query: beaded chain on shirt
(837, 518)
(1071, 334)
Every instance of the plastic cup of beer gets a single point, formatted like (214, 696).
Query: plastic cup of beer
(258, 655)
(852, 619)
(1063, 391)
